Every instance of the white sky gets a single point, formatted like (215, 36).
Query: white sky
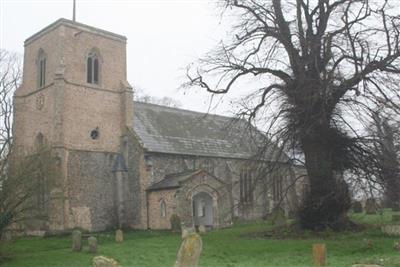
(163, 37)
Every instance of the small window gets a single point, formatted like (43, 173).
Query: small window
(246, 186)
(41, 68)
(277, 188)
(93, 68)
(163, 209)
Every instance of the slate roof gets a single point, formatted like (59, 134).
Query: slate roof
(177, 131)
(171, 181)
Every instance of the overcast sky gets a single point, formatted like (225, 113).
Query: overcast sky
(163, 37)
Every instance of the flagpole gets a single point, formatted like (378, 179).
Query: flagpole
(73, 12)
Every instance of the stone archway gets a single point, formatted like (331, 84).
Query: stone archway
(203, 209)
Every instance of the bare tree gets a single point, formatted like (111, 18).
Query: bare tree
(22, 177)
(386, 137)
(320, 65)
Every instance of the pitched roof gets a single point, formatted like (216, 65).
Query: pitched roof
(177, 131)
(172, 180)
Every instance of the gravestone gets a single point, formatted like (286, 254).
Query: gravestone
(76, 240)
(101, 261)
(396, 246)
(202, 229)
(278, 217)
(189, 252)
(319, 254)
(92, 241)
(119, 236)
(371, 206)
(391, 229)
(357, 207)
(175, 221)
(186, 231)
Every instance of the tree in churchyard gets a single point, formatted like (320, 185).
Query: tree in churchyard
(386, 134)
(311, 70)
(24, 179)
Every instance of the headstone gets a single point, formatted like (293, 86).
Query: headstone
(278, 217)
(202, 229)
(368, 243)
(391, 229)
(319, 254)
(186, 231)
(396, 246)
(92, 241)
(189, 252)
(76, 240)
(396, 218)
(119, 236)
(371, 206)
(101, 261)
(175, 223)
(357, 207)
(6, 236)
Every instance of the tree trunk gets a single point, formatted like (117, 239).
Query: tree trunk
(328, 200)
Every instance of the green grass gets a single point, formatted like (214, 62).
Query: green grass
(223, 248)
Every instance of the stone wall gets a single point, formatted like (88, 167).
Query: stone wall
(156, 220)
(227, 170)
(91, 190)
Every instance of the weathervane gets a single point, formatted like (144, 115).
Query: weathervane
(73, 12)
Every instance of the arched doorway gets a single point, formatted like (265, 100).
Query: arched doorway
(203, 213)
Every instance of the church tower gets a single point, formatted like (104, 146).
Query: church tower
(75, 96)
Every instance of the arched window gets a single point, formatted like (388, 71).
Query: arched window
(92, 68)
(163, 208)
(41, 68)
(246, 185)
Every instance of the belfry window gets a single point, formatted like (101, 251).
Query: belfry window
(92, 68)
(41, 67)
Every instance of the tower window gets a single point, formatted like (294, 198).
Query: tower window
(93, 68)
(41, 66)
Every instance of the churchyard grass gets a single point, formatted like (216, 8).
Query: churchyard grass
(233, 247)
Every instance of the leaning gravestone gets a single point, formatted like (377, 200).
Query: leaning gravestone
(92, 241)
(189, 252)
(101, 261)
(186, 231)
(119, 236)
(76, 240)
(371, 206)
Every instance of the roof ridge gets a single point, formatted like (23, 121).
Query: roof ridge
(186, 110)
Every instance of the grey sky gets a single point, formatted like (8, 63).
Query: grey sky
(163, 37)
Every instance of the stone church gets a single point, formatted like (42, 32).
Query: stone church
(129, 164)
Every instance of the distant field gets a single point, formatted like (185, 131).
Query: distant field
(223, 248)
